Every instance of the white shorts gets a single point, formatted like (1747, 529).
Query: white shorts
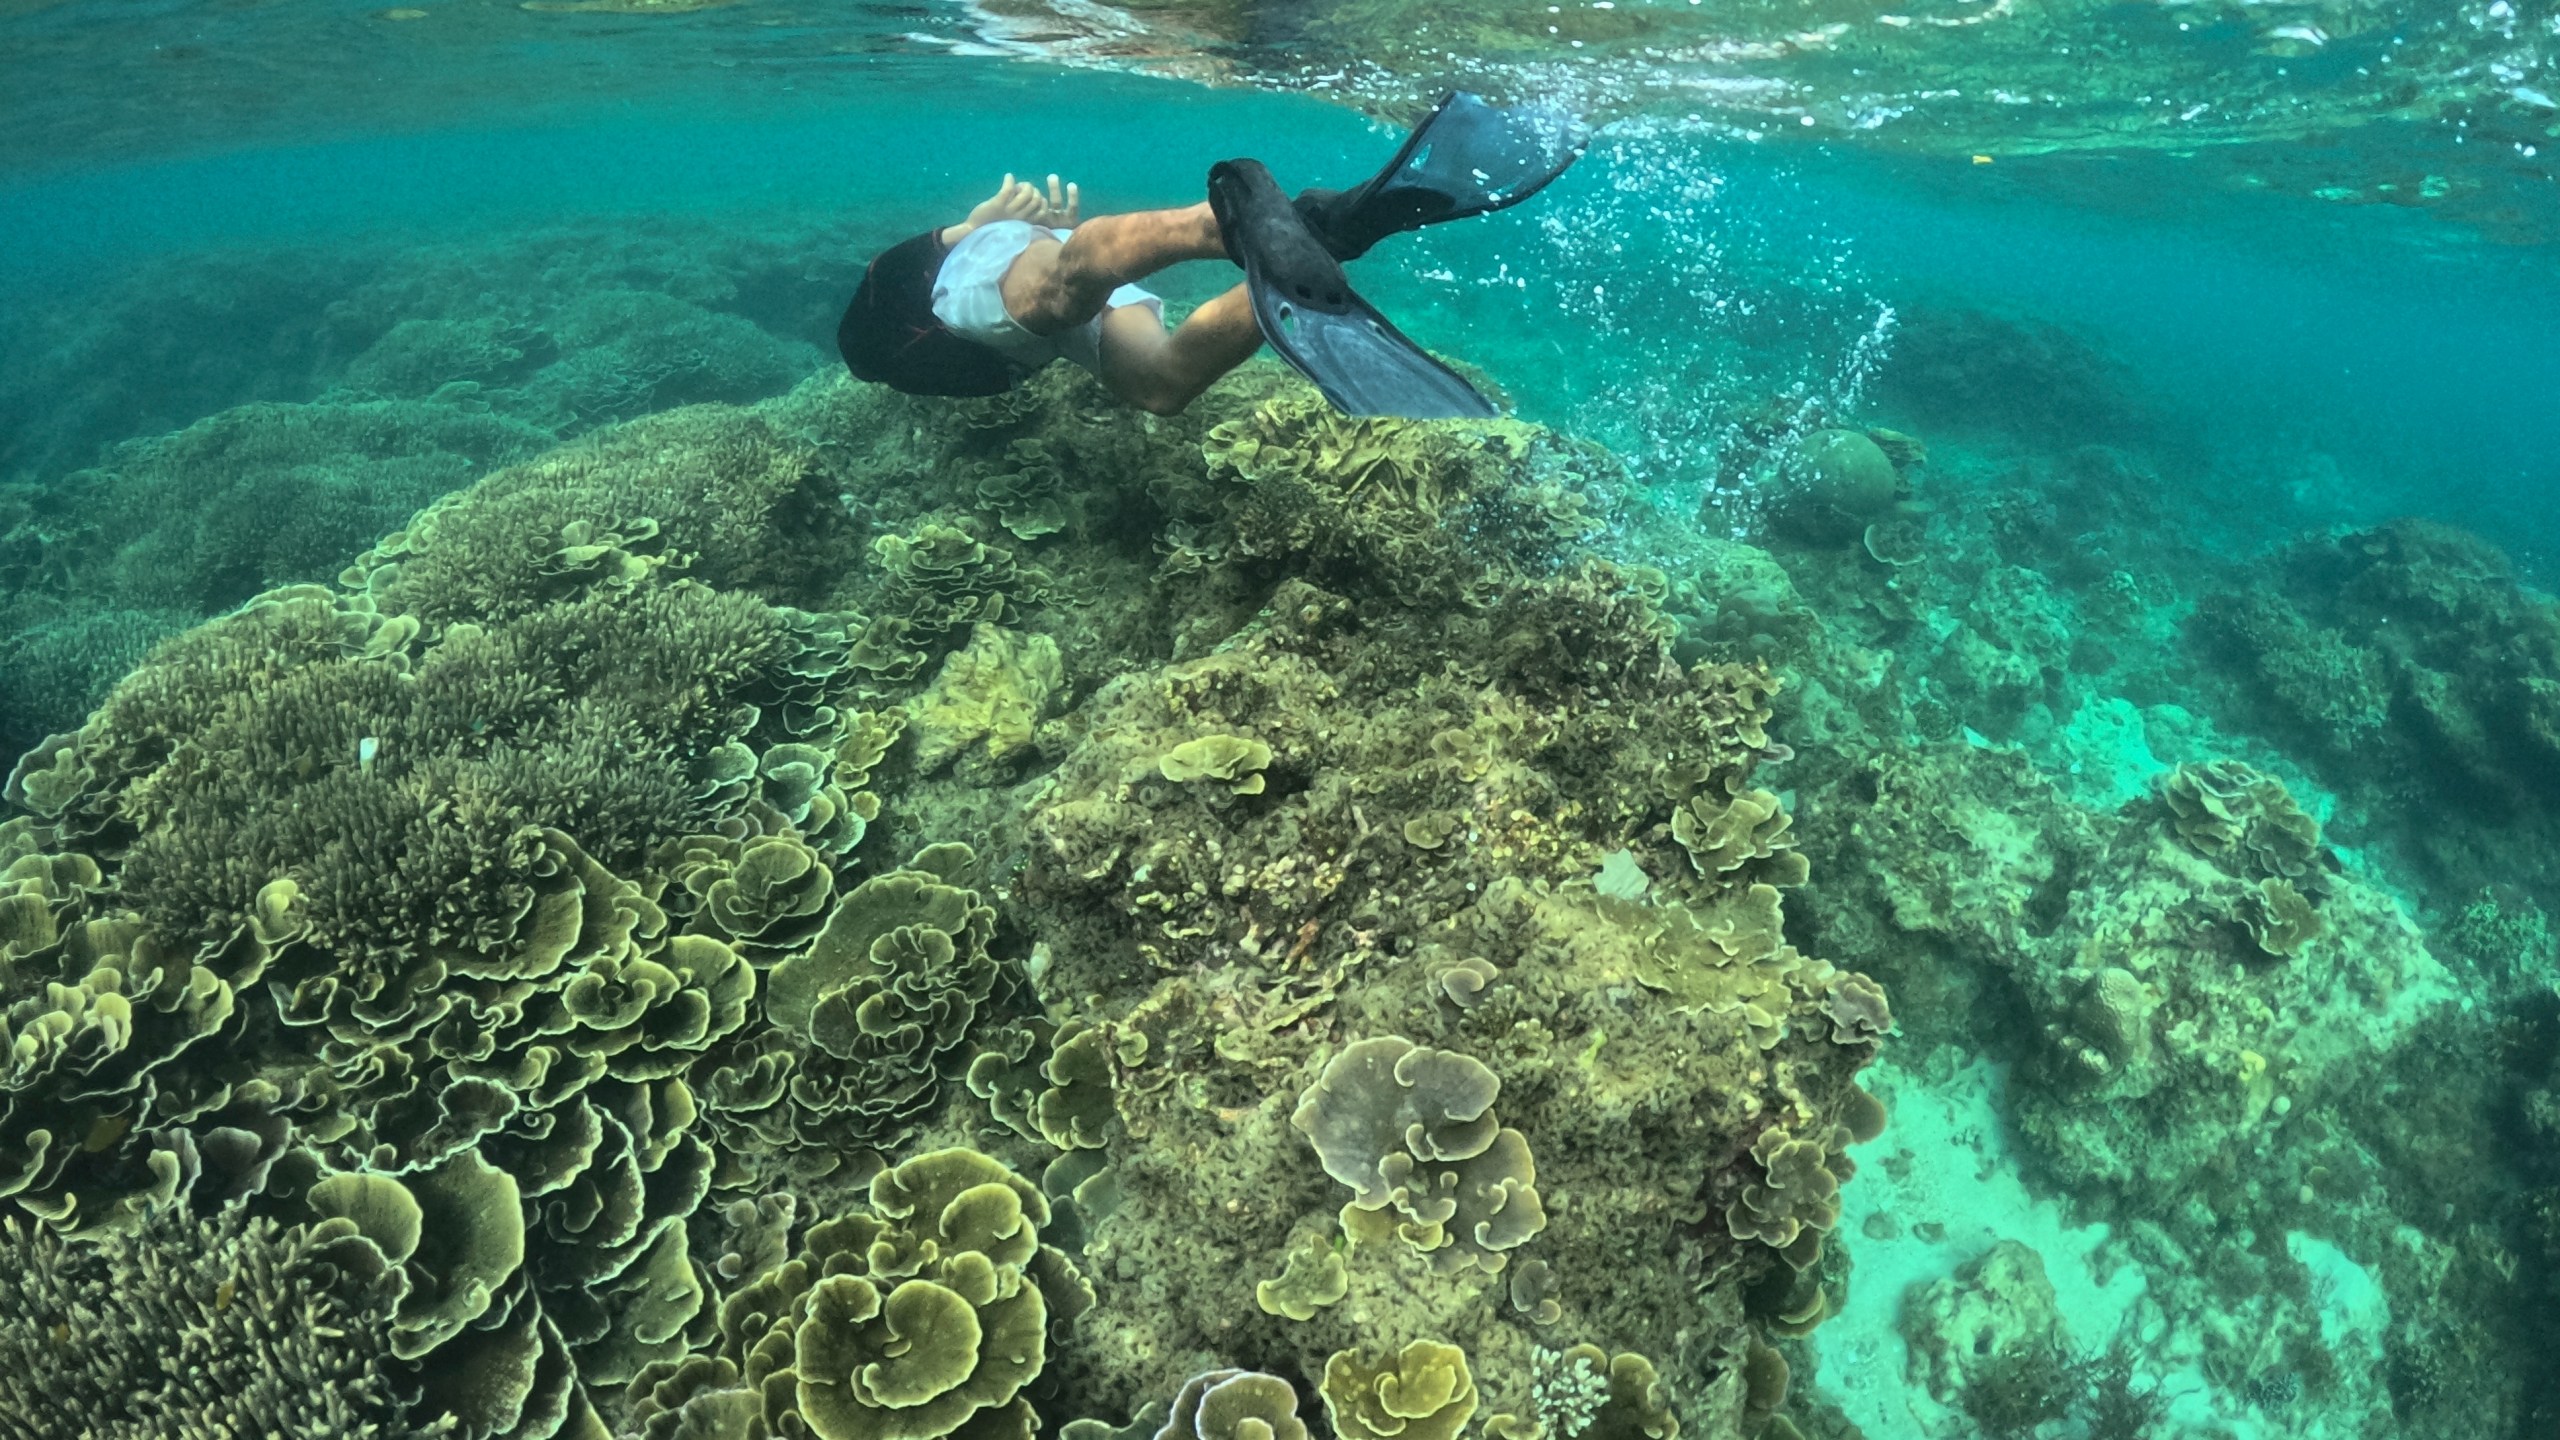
(968, 296)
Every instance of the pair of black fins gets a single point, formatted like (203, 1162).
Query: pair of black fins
(1466, 159)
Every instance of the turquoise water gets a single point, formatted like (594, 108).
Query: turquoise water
(500, 946)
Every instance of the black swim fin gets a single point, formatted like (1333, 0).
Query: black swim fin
(1465, 158)
(1311, 315)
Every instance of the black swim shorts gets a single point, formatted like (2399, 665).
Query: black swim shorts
(889, 333)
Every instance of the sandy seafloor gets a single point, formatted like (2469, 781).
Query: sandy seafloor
(2138, 404)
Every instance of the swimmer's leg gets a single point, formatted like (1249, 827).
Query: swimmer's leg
(1053, 286)
(1160, 370)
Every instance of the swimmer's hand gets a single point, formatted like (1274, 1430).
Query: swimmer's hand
(1060, 207)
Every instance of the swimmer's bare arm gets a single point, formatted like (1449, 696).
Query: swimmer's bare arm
(1061, 207)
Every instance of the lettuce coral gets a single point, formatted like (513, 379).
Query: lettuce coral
(867, 1016)
(1412, 1128)
(1234, 1405)
(1233, 760)
(1311, 1277)
(1423, 1392)
(923, 1314)
(1738, 838)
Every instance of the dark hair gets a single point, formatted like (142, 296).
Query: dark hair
(890, 335)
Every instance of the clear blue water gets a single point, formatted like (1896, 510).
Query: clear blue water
(2169, 390)
(2408, 350)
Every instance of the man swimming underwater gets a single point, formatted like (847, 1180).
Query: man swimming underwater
(972, 308)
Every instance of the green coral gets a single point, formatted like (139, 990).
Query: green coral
(1739, 839)
(766, 896)
(1797, 1199)
(1419, 510)
(1236, 761)
(2280, 918)
(1023, 489)
(1050, 1083)
(1423, 1392)
(868, 1016)
(1234, 1405)
(922, 1315)
(2248, 824)
(1312, 1276)
(187, 1329)
(987, 699)
(2242, 819)
(1411, 1130)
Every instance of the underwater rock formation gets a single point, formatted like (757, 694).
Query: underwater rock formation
(2402, 656)
(1980, 1331)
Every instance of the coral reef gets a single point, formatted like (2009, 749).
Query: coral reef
(195, 1329)
(521, 947)
(361, 382)
(2407, 660)
(923, 1314)
(608, 875)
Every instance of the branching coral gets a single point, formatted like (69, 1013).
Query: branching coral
(384, 773)
(1585, 1393)
(193, 1330)
(721, 493)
